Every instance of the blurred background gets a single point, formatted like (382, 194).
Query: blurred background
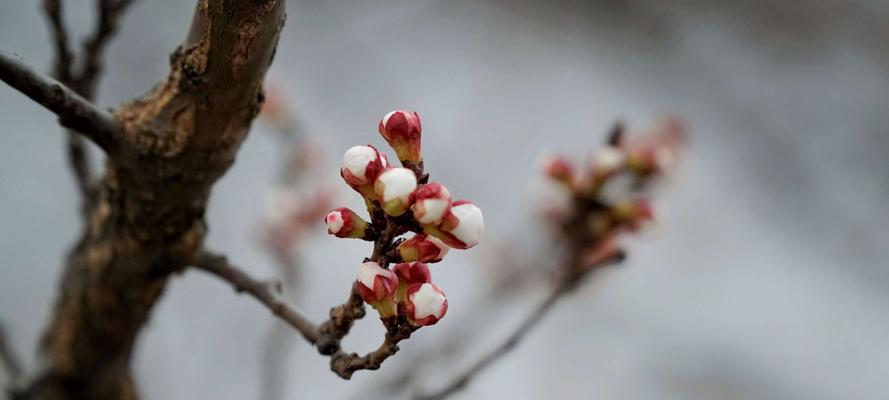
(768, 279)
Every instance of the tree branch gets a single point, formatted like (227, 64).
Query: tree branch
(149, 220)
(268, 295)
(74, 111)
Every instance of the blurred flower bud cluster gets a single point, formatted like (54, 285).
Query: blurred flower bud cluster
(401, 201)
(610, 195)
(299, 197)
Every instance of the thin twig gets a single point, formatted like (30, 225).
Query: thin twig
(74, 111)
(62, 66)
(110, 12)
(530, 321)
(564, 285)
(8, 358)
(262, 291)
(278, 342)
(84, 81)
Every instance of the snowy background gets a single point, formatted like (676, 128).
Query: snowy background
(768, 279)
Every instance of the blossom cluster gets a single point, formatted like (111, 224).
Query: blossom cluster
(400, 200)
(610, 194)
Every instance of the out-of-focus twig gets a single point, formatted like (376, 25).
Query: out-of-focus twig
(9, 359)
(84, 80)
(560, 289)
(591, 226)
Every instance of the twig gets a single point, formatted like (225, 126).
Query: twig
(110, 12)
(83, 81)
(278, 341)
(8, 358)
(343, 316)
(64, 57)
(530, 321)
(564, 285)
(74, 111)
(261, 291)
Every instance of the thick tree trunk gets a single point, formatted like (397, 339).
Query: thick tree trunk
(148, 222)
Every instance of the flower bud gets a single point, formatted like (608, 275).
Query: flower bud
(560, 169)
(402, 130)
(345, 223)
(423, 248)
(413, 272)
(377, 286)
(638, 213)
(426, 304)
(395, 188)
(362, 165)
(462, 228)
(410, 274)
(431, 203)
(606, 161)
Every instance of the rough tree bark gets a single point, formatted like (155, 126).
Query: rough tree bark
(148, 221)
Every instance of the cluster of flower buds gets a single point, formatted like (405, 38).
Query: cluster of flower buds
(602, 216)
(400, 200)
(407, 287)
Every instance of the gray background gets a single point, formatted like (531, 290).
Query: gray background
(768, 279)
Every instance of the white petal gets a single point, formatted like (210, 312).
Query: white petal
(335, 221)
(368, 271)
(356, 159)
(471, 226)
(435, 210)
(608, 158)
(427, 301)
(398, 183)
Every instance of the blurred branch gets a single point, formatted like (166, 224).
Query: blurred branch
(74, 111)
(278, 341)
(8, 358)
(63, 56)
(110, 12)
(84, 81)
(561, 288)
(267, 294)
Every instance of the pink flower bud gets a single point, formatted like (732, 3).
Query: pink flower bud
(377, 286)
(560, 169)
(426, 304)
(402, 130)
(431, 203)
(462, 228)
(395, 188)
(344, 223)
(362, 165)
(413, 272)
(422, 248)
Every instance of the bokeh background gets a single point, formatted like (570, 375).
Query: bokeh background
(767, 280)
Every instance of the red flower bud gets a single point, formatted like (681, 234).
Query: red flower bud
(560, 169)
(413, 272)
(403, 132)
(377, 286)
(362, 165)
(345, 223)
(426, 304)
(422, 248)
(431, 203)
(462, 228)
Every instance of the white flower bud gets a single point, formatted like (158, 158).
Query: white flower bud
(395, 188)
